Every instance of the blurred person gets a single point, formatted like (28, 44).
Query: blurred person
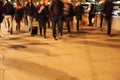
(107, 14)
(56, 13)
(42, 17)
(1, 14)
(25, 14)
(18, 15)
(31, 13)
(91, 14)
(68, 13)
(9, 11)
(79, 10)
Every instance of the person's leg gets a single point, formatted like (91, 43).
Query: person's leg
(60, 26)
(10, 20)
(109, 26)
(77, 26)
(68, 26)
(90, 20)
(40, 28)
(101, 21)
(30, 20)
(44, 26)
(7, 23)
(54, 28)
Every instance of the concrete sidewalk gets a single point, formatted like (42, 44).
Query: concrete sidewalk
(88, 55)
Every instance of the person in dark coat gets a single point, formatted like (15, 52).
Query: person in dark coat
(91, 14)
(18, 15)
(42, 17)
(79, 10)
(1, 11)
(1, 14)
(56, 13)
(31, 13)
(107, 14)
(9, 12)
(68, 13)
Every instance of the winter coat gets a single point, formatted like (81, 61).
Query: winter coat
(9, 9)
(42, 14)
(30, 9)
(79, 10)
(1, 12)
(18, 14)
(56, 8)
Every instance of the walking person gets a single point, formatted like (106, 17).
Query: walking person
(107, 14)
(18, 15)
(31, 13)
(25, 14)
(68, 13)
(9, 11)
(91, 14)
(56, 13)
(42, 17)
(79, 10)
(1, 14)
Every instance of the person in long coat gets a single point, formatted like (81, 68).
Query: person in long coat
(18, 16)
(1, 14)
(79, 10)
(107, 14)
(42, 17)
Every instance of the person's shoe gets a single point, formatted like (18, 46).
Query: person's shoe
(11, 32)
(45, 36)
(101, 30)
(109, 35)
(55, 38)
(60, 37)
(90, 25)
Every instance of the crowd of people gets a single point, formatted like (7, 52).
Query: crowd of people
(57, 12)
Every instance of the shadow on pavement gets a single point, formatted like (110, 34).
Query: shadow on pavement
(38, 70)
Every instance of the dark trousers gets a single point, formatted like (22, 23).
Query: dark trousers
(67, 21)
(57, 20)
(42, 26)
(109, 22)
(91, 16)
(17, 25)
(78, 24)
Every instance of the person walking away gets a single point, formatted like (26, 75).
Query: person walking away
(79, 10)
(18, 15)
(107, 14)
(67, 13)
(25, 14)
(91, 14)
(9, 11)
(1, 14)
(42, 13)
(31, 13)
(56, 13)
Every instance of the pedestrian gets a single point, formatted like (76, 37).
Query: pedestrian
(42, 13)
(31, 13)
(18, 15)
(1, 14)
(25, 14)
(107, 14)
(9, 11)
(56, 13)
(68, 13)
(92, 13)
(79, 10)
